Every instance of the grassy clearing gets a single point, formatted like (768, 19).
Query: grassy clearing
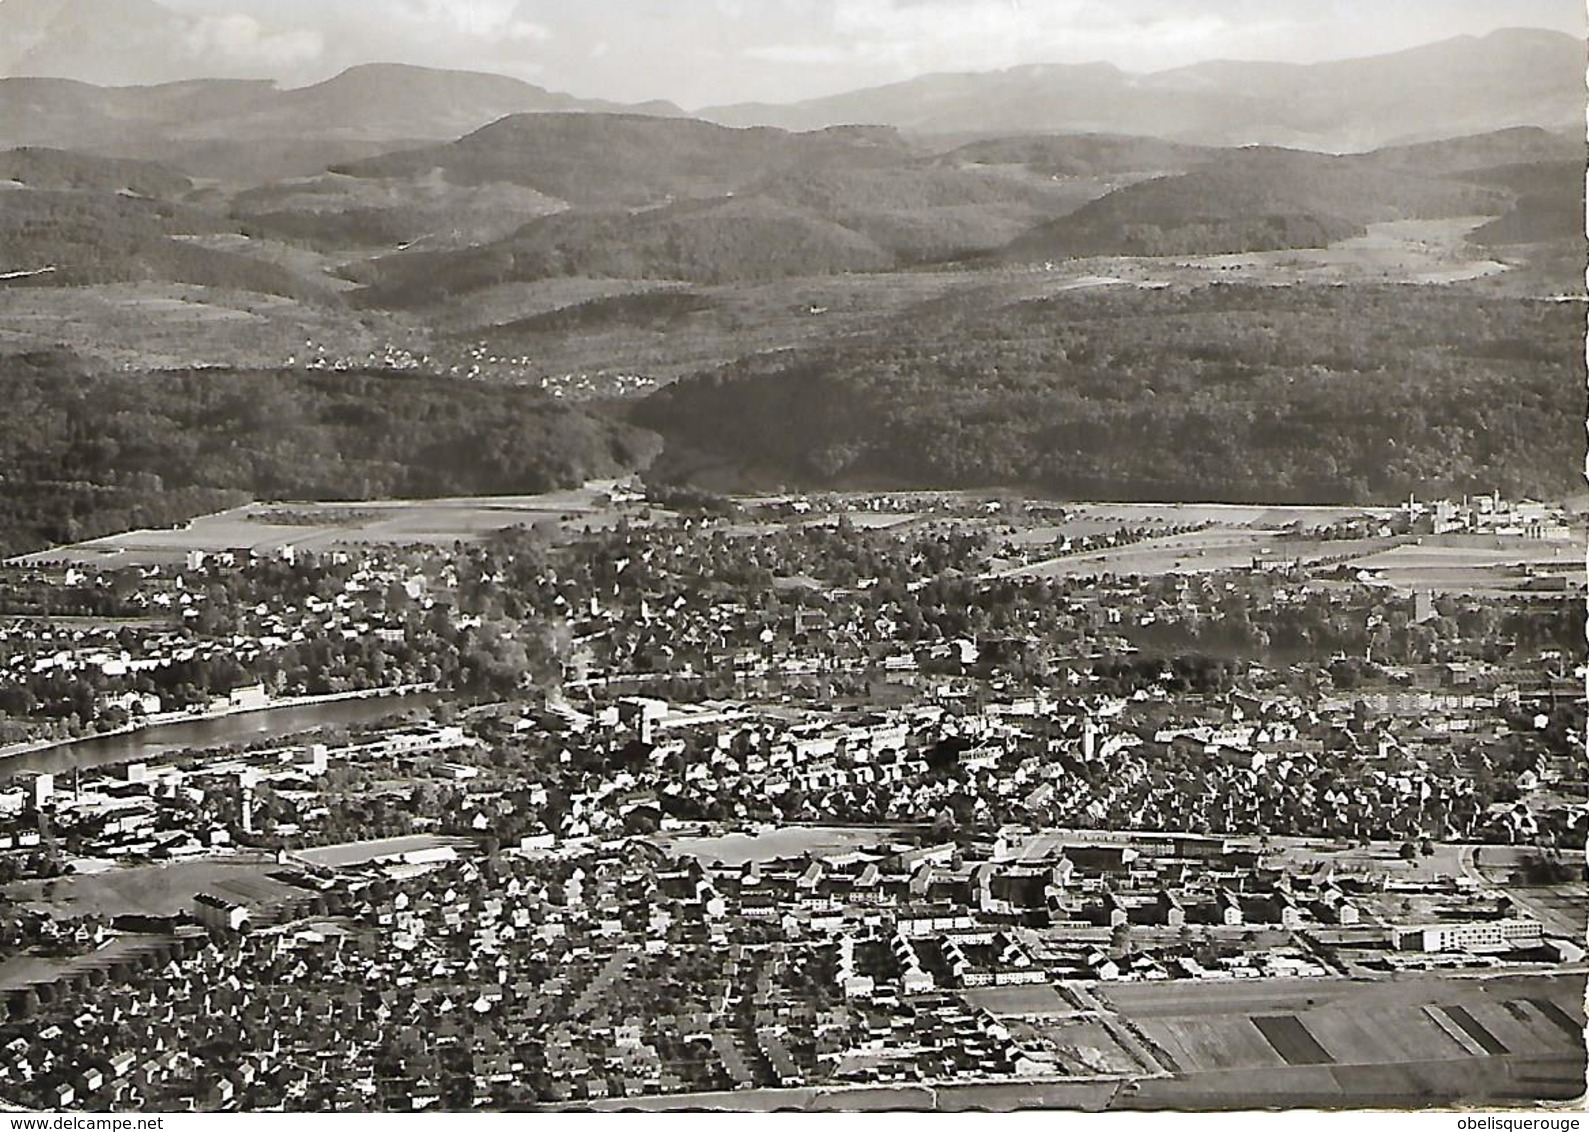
(1464, 564)
(174, 325)
(1444, 564)
(437, 522)
(1029, 1001)
(1401, 251)
(152, 890)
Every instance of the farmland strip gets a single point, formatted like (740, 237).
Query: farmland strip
(1560, 1017)
(1470, 1025)
(1292, 1041)
(1453, 1031)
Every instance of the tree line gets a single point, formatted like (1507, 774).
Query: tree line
(84, 453)
(1288, 394)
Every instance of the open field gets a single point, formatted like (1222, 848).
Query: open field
(323, 526)
(175, 325)
(1238, 537)
(864, 521)
(1458, 564)
(1398, 251)
(1244, 532)
(1292, 1040)
(1184, 998)
(1200, 552)
(1219, 1042)
(1036, 1000)
(1465, 564)
(1490, 1081)
(153, 890)
(1391, 1029)
(1258, 516)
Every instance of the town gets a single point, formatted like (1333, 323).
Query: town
(701, 796)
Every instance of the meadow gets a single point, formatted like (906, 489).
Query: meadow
(259, 527)
(156, 890)
(1218, 1027)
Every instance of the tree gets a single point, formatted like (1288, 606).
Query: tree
(1120, 940)
(25, 1003)
(1540, 869)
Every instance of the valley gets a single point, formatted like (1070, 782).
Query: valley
(846, 308)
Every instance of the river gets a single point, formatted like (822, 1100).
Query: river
(150, 743)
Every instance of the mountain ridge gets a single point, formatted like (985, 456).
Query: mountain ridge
(242, 129)
(1456, 86)
(210, 127)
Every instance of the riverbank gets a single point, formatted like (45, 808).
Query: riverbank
(148, 727)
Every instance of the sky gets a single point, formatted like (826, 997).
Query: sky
(705, 52)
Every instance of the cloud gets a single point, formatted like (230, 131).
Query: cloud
(241, 40)
(699, 52)
(803, 54)
(898, 38)
(497, 20)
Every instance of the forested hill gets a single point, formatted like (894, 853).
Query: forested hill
(84, 453)
(621, 160)
(78, 238)
(1253, 200)
(1301, 394)
(737, 239)
(37, 168)
(648, 198)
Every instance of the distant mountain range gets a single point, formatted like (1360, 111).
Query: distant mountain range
(403, 188)
(244, 130)
(640, 198)
(537, 197)
(1459, 86)
(251, 129)
(645, 198)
